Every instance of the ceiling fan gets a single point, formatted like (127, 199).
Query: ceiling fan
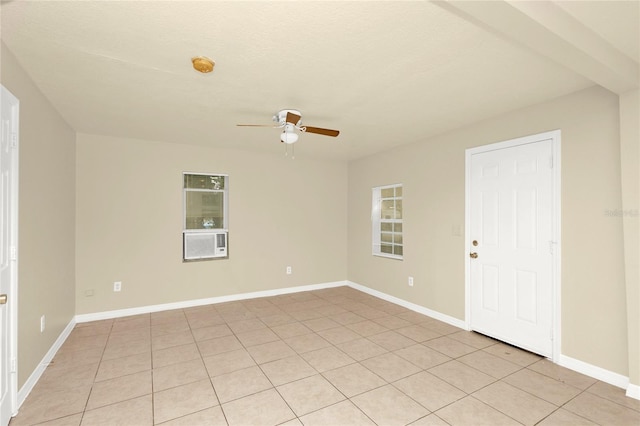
(290, 121)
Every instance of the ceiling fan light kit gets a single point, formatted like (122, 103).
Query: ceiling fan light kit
(290, 121)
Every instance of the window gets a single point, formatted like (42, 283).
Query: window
(387, 221)
(205, 215)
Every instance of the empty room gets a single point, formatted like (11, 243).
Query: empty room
(320, 213)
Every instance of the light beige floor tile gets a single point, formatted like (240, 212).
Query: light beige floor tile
(430, 391)
(513, 354)
(361, 349)
(327, 359)
(266, 408)
(309, 394)
(306, 343)
(68, 377)
(347, 318)
(291, 329)
(129, 336)
(246, 325)
(388, 406)
(204, 319)
(339, 335)
(390, 367)
(320, 324)
(563, 417)
(354, 379)
(302, 314)
(562, 374)
(450, 347)
(170, 328)
(462, 376)
(257, 337)
(417, 333)
(440, 327)
(211, 332)
(120, 389)
(168, 316)
(76, 358)
(474, 339)
(219, 345)
(84, 343)
(391, 322)
(137, 412)
(422, 356)
(44, 405)
(178, 374)
(228, 361)
(342, 413)
(73, 420)
(123, 324)
(367, 328)
(331, 310)
(87, 330)
(430, 420)
(113, 351)
(542, 386)
(117, 367)
(174, 355)
(472, 412)
(240, 383)
(278, 319)
(517, 404)
(391, 341)
(183, 400)
(208, 417)
(615, 394)
(602, 411)
(272, 351)
(168, 340)
(287, 370)
(413, 317)
(489, 364)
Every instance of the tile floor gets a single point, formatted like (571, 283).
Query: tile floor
(329, 357)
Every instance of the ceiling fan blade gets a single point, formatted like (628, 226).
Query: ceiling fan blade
(292, 118)
(320, 131)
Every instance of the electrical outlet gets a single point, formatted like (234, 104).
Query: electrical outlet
(289, 271)
(117, 286)
(410, 281)
(42, 324)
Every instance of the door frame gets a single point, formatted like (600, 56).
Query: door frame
(12, 315)
(555, 137)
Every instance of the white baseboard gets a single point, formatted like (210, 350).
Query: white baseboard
(26, 389)
(633, 391)
(599, 373)
(200, 302)
(412, 306)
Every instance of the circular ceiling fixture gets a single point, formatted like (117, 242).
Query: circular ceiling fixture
(202, 64)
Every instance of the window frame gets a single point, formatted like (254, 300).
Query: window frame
(225, 202)
(377, 221)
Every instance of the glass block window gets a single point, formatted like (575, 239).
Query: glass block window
(386, 221)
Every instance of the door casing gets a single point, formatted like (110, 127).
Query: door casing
(555, 136)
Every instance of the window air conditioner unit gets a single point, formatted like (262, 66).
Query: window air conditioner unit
(205, 245)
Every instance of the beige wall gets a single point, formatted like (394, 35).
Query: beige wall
(282, 212)
(594, 323)
(46, 252)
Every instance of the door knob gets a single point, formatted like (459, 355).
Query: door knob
(3, 299)
(473, 255)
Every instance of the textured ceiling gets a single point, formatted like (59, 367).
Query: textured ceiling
(383, 73)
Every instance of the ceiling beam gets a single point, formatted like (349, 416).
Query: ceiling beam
(550, 31)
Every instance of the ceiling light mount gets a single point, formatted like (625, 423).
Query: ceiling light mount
(202, 64)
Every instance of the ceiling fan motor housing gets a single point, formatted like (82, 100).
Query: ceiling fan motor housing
(281, 116)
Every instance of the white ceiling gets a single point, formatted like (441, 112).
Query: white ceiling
(384, 73)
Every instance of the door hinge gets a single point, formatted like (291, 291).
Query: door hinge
(14, 368)
(14, 140)
(551, 162)
(552, 247)
(14, 253)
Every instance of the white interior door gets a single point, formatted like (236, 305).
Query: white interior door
(8, 237)
(511, 242)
